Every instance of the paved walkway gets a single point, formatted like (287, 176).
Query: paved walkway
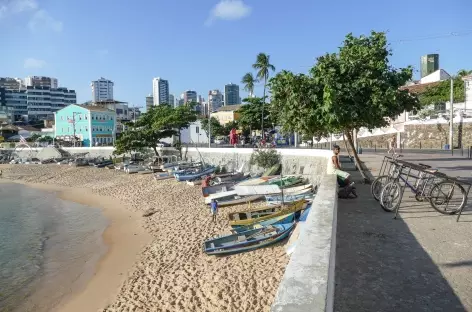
(421, 261)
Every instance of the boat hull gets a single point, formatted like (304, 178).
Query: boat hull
(254, 239)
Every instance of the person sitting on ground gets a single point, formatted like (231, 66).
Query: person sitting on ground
(343, 176)
(214, 209)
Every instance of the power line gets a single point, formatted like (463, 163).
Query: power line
(455, 34)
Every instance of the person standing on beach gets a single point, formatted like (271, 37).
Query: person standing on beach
(214, 209)
(343, 176)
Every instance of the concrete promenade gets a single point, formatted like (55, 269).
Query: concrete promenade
(421, 261)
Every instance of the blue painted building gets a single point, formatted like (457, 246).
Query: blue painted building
(91, 125)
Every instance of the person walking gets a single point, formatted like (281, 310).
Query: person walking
(214, 209)
(391, 145)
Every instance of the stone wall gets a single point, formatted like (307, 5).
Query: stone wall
(427, 136)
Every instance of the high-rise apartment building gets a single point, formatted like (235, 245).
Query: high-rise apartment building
(102, 90)
(11, 83)
(171, 100)
(429, 64)
(190, 96)
(232, 94)
(215, 100)
(38, 103)
(160, 91)
(149, 102)
(41, 81)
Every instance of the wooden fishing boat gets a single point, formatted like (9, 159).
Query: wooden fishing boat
(256, 181)
(213, 189)
(285, 182)
(194, 176)
(236, 200)
(294, 207)
(248, 240)
(289, 198)
(252, 214)
(286, 218)
(246, 190)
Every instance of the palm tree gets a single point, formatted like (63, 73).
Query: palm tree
(263, 66)
(464, 72)
(249, 81)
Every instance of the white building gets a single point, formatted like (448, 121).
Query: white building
(41, 81)
(438, 75)
(160, 91)
(215, 100)
(194, 134)
(468, 91)
(102, 89)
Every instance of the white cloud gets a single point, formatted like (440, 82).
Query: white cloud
(229, 10)
(10, 7)
(32, 63)
(41, 20)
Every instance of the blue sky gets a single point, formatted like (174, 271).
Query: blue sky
(203, 44)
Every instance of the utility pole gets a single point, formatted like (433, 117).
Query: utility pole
(209, 130)
(451, 123)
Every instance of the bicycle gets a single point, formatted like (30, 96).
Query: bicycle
(379, 182)
(392, 193)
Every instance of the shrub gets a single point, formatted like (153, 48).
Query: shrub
(265, 158)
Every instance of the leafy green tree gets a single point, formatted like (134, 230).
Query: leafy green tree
(296, 104)
(263, 67)
(251, 113)
(184, 115)
(35, 137)
(154, 125)
(216, 128)
(360, 87)
(464, 72)
(354, 88)
(441, 92)
(249, 82)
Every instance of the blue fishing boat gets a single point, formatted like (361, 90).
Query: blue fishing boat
(287, 218)
(196, 175)
(248, 240)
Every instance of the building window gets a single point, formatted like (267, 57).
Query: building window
(62, 117)
(86, 117)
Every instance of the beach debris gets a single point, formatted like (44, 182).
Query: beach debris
(149, 212)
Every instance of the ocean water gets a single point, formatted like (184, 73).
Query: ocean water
(48, 248)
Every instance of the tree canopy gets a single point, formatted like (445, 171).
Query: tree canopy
(250, 114)
(441, 92)
(344, 91)
(159, 122)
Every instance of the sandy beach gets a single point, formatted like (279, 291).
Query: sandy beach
(156, 263)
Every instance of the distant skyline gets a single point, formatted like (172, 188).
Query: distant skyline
(213, 42)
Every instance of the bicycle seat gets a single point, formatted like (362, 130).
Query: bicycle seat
(424, 166)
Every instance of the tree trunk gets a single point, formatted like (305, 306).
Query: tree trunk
(155, 151)
(263, 104)
(345, 145)
(356, 157)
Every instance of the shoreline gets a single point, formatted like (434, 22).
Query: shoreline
(124, 238)
(171, 272)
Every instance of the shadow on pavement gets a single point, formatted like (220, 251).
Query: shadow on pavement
(380, 265)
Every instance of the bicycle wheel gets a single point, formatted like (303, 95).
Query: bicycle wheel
(391, 196)
(442, 197)
(378, 185)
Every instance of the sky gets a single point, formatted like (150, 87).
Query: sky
(204, 44)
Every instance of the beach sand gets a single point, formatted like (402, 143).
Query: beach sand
(168, 271)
